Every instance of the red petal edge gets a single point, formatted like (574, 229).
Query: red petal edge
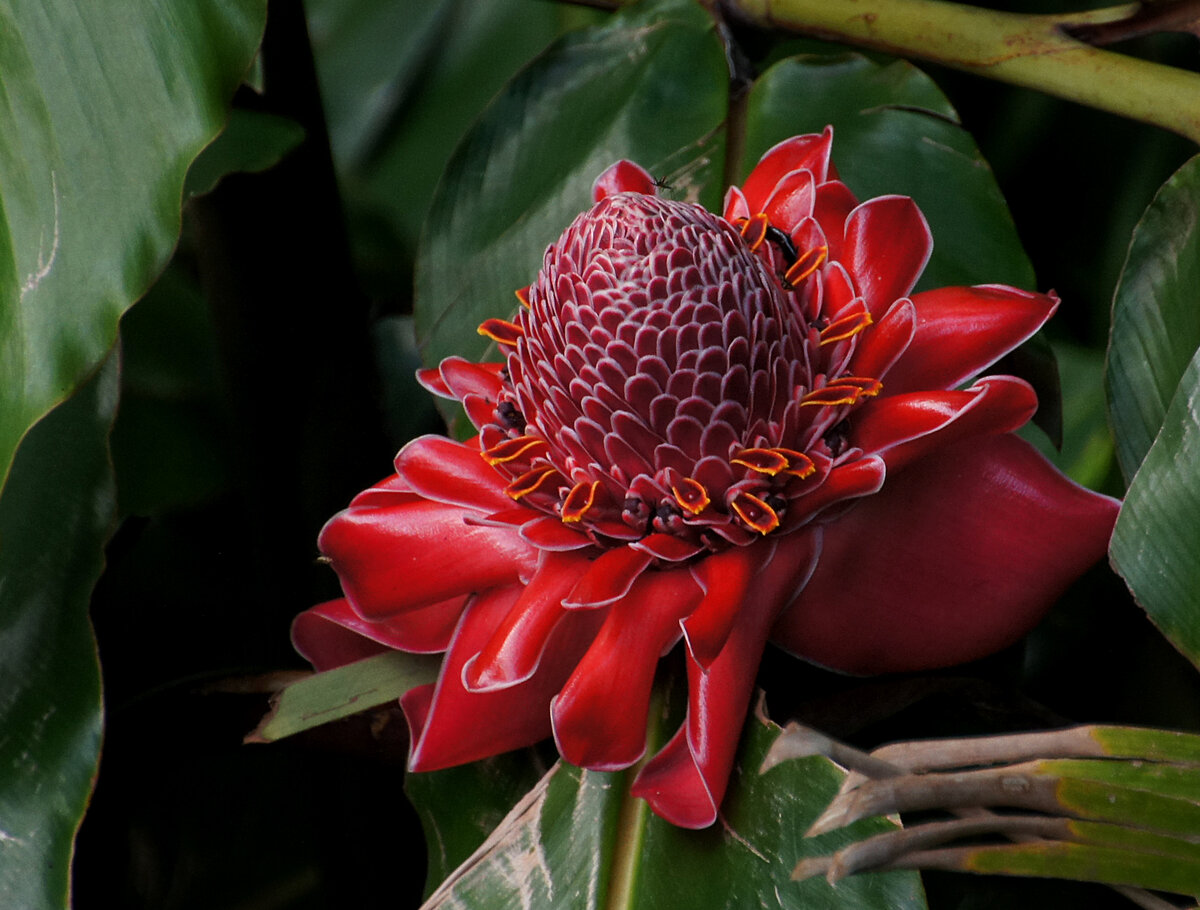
(624, 177)
(957, 557)
(685, 782)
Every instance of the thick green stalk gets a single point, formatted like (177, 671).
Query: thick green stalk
(1030, 51)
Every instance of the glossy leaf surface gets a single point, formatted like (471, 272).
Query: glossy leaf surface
(1156, 316)
(52, 536)
(1154, 544)
(578, 840)
(252, 141)
(402, 80)
(338, 693)
(105, 108)
(1154, 405)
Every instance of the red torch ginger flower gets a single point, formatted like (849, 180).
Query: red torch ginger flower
(723, 430)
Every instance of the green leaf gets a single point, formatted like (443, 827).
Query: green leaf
(1116, 865)
(1148, 744)
(55, 517)
(1157, 536)
(459, 807)
(894, 132)
(579, 840)
(1156, 316)
(335, 694)
(252, 142)
(402, 82)
(104, 107)
(526, 169)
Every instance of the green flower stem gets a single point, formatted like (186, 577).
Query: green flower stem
(1031, 51)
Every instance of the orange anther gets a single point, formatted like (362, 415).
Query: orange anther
(843, 390)
(846, 327)
(501, 331)
(755, 512)
(765, 461)
(579, 500)
(691, 495)
(808, 263)
(800, 465)
(529, 481)
(512, 449)
(754, 230)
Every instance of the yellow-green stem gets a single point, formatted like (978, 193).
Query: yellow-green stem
(1031, 51)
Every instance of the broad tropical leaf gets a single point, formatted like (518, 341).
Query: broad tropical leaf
(105, 107)
(55, 517)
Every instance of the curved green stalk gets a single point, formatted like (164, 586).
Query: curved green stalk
(1030, 51)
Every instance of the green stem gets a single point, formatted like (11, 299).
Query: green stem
(1030, 51)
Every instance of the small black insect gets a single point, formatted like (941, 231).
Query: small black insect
(784, 244)
(661, 183)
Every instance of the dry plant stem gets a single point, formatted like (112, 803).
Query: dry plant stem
(887, 849)
(1016, 787)
(798, 742)
(1030, 51)
(935, 755)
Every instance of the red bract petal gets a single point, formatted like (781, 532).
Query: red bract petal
(394, 558)
(624, 177)
(881, 347)
(451, 725)
(846, 481)
(600, 715)
(961, 331)
(887, 245)
(462, 377)
(685, 782)
(431, 379)
(332, 634)
(791, 201)
(725, 577)
(834, 204)
(515, 647)
(798, 153)
(903, 428)
(609, 578)
(548, 533)
(320, 636)
(443, 470)
(735, 208)
(956, 558)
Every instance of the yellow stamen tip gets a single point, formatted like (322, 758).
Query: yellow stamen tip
(846, 327)
(765, 461)
(511, 449)
(808, 263)
(755, 512)
(528, 482)
(691, 495)
(501, 331)
(581, 498)
(754, 230)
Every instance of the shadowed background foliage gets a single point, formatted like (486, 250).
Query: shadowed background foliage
(267, 378)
